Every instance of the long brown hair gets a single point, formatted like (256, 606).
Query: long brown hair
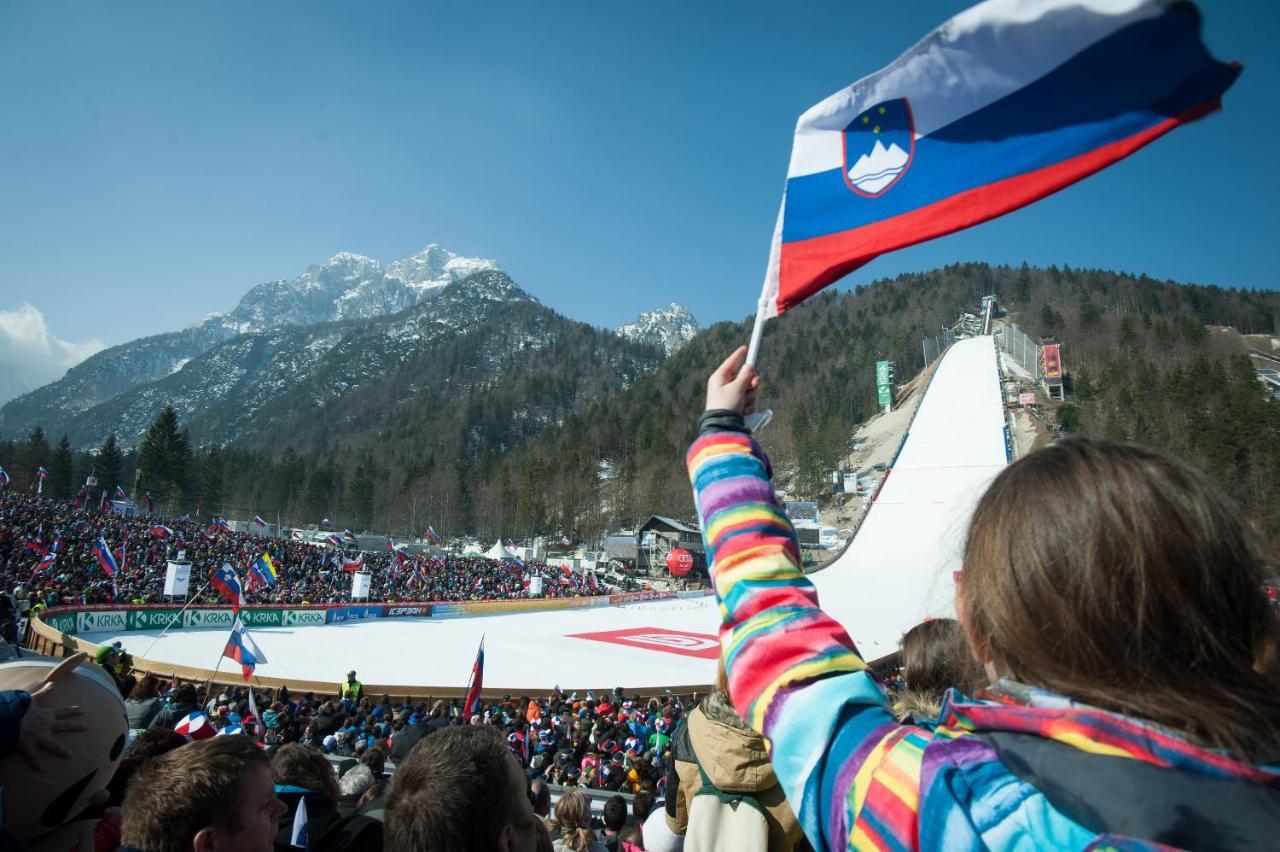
(573, 819)
(1122, 578)
(935, 657)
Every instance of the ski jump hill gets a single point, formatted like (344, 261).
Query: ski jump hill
(894, 573)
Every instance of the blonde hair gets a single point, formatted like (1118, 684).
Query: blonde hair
(572, 820)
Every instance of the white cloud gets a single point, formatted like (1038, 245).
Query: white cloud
(30, 356)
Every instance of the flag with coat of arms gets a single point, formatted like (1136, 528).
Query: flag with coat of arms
(241, 648)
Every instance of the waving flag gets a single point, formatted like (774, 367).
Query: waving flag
(263, 570)
(161, 531)
(104, 505)
(242, 649)
(391, 545)
(105, 558)
(257, 519)
(228, 585)
(1006, 103)
(120, 495)
(219, 524)
(348, 535)
(564, 539)
(326, 524)
(471, 704)
(433, 535)
(334, 540)
(4, 478)
(353, 565)
(36, 544)
(298, 833)
(82, 497)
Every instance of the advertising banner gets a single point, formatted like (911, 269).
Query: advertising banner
(63, 623)
(153, 619)
(177, 579)
(850, 483)
(1027, 398)
(884, 386)
(360, 586)
(353, 613)
(403, 611)
(535, 586)
(262, 617)
(198, 619)
(101, 622)
(300, 617)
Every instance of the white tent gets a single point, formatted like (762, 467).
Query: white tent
(499, 551)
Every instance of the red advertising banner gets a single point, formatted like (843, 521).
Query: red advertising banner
(1027, 398)
(1052, 357)
(659, 639)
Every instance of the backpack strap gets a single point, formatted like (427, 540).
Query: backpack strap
(710, 789)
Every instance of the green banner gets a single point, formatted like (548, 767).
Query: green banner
(65, 623)
(154, 619)
(299, 617)
(262, 617)
(198, 618)
(884, 382)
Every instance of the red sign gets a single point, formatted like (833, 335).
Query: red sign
(1052, 361)
(679, 562)
(659, 639)
(1027, 398)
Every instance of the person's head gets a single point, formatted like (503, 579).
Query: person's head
(1122, 578)
(185, 694)
(642, 804)
(148, 746)
(144, 689)
(573, 815)
(460, 789)
(936, 657)
(298, 765)
(540, 797)
(351, 676)
(615, 814)
(209, 796)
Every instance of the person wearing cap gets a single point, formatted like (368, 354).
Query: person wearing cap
(351, 691)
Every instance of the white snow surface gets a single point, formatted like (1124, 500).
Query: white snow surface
(529, 651)
(896, 572)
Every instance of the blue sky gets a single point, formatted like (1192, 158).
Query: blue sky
(160, 159)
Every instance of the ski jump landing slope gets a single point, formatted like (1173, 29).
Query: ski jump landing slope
(897, 570)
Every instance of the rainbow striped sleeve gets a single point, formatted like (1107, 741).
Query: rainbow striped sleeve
(849, 771)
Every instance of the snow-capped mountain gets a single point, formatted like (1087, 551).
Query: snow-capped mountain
(670, 327)
(875, 171)
(345, 287)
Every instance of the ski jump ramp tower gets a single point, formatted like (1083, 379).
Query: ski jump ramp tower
(897, 570)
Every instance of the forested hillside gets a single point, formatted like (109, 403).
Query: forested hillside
(439, 440)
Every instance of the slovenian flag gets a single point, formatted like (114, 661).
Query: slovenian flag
(161, 531)
(353, 565)
(242, 649)
(326, 524)
(228, 585)
(120, 495)
(257, 519)
(105, 557)
(433, 535)
(471, 703)
(4, 478)
(41, 473)
(1006, 103)
(263, 570)
(334, 540)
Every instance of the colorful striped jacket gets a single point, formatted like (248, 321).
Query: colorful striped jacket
(1018, 769)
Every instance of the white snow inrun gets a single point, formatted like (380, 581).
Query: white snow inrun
(896, 572)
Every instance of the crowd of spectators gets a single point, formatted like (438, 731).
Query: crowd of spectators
(307, 573)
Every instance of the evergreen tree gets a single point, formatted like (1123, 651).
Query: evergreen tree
(165, 455)
(107, 464)
(35, 454)
(360, 495)
(60, 470)
(212, 489)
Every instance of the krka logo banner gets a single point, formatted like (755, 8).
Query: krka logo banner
(1004, 104)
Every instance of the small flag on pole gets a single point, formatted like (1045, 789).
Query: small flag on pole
(258, 519)
(241, 648)
(120, 495)
(471, 704)
(105, 557)
(228, 585)
(263, 570)
(298, 834)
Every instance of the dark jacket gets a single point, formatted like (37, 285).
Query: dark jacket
(322, 815)
(172, 715)
(141, 713)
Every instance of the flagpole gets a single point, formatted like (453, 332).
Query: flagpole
(190, 600)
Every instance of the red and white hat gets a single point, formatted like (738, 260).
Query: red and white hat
(196, 726)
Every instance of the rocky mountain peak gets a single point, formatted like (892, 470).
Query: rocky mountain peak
(670, 327)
